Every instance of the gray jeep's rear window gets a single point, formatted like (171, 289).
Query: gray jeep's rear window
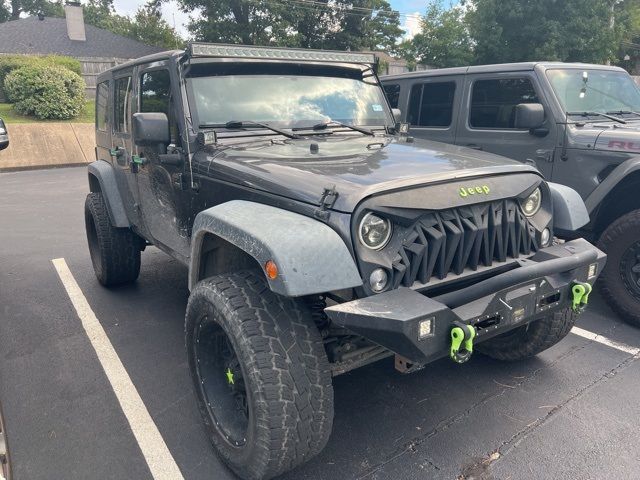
(493, 102)
(431, 104)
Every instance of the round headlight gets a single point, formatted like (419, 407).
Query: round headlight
(374, 232)
(532, 203)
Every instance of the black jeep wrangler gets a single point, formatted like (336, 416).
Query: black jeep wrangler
(319, 236)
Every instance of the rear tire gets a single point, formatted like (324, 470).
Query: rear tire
(620, 280)
(531, 339)
(261, 375)
(115, 252)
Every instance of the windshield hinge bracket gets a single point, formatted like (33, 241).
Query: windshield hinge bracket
(327, 201)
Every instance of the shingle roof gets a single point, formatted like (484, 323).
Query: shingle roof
(49, 36)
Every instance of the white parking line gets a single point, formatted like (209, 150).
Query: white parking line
(154, 449)
(605, 341)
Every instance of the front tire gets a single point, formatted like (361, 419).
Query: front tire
(261, 375)
(620, 280)
(531, 339)
(115, 252)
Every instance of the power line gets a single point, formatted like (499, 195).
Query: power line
(356, 11)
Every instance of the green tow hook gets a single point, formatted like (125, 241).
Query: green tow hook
(580, 295)
(462, 335)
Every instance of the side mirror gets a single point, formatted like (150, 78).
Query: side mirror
(397, 114)
(529, 115)
(4, 136)
(151, 129)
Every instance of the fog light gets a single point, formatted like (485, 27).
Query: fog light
(425, 328)
(545, 238)
(378, 280)
(593, 271)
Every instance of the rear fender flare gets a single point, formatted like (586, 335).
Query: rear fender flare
(106, 178)
(310, 256)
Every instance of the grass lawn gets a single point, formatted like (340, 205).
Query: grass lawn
(9, 115)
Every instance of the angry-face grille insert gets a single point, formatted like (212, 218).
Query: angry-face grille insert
(448, 241)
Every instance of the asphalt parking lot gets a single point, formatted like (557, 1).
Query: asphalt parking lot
(572, 412)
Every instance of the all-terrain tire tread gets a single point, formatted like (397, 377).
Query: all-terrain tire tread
(119, 248)
(612, 286)
(530, 340)
(286, 354)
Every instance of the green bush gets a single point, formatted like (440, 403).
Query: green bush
(46, 92)
(8, 63)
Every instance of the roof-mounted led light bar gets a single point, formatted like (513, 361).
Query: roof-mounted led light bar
(275, 53)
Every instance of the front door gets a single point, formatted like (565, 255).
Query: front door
(490, 115)
(162, 186)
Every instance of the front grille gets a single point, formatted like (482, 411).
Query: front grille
(448, 241)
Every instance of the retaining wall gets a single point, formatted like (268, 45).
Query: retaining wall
(37, 145)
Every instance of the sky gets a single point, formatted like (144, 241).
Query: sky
(409, 9)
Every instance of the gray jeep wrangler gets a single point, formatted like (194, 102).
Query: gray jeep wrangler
(319, 238)
(578, 123)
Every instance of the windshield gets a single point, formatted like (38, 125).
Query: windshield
(288, 101)
(601, 91)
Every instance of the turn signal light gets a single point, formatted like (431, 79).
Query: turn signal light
(271, 269)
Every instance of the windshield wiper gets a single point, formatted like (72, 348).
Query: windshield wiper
(332, 123)
(624, 112)
(597, 114)
(236, 124)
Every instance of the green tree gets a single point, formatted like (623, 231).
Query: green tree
(339, 24)
(366, 25)
(444, 40)
(147, 26)
(564, 30)
(12, 9)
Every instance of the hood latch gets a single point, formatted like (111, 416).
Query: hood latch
(327, 201)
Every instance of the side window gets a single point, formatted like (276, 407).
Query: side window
(431, 104)
(102, 106)
(122, 110)
(493, 102)
(155, 91)
(393, 94)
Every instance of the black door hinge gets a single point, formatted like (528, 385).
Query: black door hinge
(327, 201)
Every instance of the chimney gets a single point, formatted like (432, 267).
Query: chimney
(75, 21)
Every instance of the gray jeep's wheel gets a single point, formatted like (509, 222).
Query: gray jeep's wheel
(261, 374)
(620, 280)
(115, 252)
(531, 339)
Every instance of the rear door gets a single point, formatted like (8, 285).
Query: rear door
(432, 107)
(489, 114)
(122, 143)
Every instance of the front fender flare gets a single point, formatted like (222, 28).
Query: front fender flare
(569, 211)
(596, 197)
(106, 177)
(311, 257)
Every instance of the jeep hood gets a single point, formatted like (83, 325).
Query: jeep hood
(620, 138)
(358, 167)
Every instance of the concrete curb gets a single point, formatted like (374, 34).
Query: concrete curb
(46, 145)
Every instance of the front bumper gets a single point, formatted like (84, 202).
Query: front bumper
(418, 328)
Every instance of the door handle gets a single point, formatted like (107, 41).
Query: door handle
(116, 152)
(474, 146)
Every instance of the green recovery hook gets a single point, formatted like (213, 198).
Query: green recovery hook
(462, 335)
(580, 295)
